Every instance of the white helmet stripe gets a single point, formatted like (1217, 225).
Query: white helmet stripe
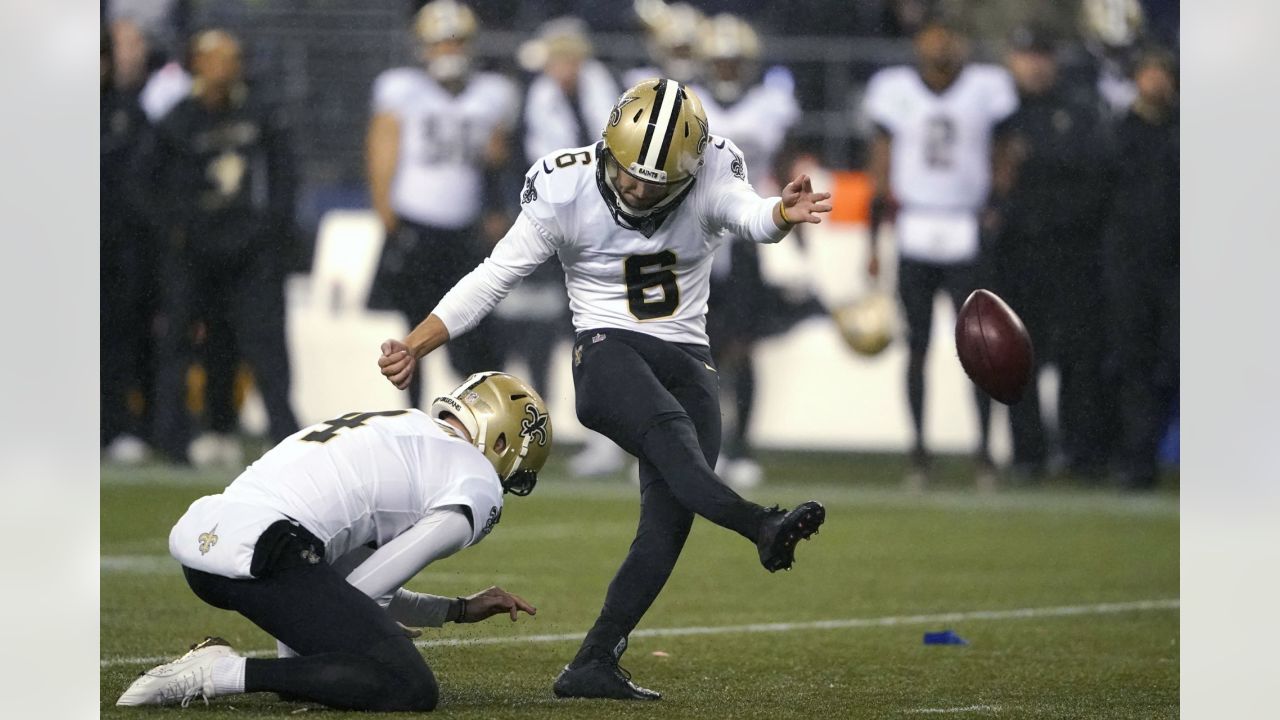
(662, 125)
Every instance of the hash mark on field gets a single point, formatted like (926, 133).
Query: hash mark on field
(845, 624)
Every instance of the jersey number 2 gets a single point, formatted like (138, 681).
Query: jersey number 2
(350, 420)
(649, 276)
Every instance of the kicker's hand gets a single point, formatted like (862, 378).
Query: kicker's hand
(800, 204)
(397, 363)
(494, 601)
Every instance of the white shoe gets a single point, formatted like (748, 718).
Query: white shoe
(598, 458)
(215, 450)
(181, 681)
(743, 474)
(127, 450)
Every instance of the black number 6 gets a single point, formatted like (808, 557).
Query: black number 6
(649, 271)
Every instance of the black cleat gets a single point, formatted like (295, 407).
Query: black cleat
(783, 530)
(600, 676)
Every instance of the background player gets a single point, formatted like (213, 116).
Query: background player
(315, 541)
(937, 153)
(438, 131)
(635, 220)
(756, 113)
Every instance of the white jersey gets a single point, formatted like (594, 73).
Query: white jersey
(616, 277)
(551, 123)
(363, 479)
(443, 138)
(940, 162)
(758, 121)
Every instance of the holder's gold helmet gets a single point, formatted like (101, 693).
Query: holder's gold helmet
(657, 134)
(508, 422)
(867, 324)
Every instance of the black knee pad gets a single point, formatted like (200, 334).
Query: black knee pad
(415, 686)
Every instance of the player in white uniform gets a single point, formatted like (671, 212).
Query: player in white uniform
(635, 220)
(315, 541)
(757, 113)
(936, 149)
(438, 131)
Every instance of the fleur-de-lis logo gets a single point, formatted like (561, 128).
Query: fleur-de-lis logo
(530, 192)
(534, 426)
(704, 134)
(208, 540)
(615, 116)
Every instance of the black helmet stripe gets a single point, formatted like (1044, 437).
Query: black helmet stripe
(671, 126)
(662, 121)
(661, 91)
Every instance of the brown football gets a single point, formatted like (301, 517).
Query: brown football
(994, 347)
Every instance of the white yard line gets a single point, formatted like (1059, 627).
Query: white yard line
(952, 710)
(849, 623)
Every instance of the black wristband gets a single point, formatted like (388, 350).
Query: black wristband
(457, 610)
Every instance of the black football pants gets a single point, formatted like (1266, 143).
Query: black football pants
(660, 402)
(352, 655)
(918, 283)
(249, 285)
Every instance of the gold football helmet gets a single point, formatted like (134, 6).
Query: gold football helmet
(508, 422)
(729, 49)
(1114, 23)
(444, 20)
(443, 28)
(656, 135)
(672, 33)
(867, 324)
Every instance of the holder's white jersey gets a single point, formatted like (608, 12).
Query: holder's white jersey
(941, 150)
(551, 123)
(616, 277)
(362, 479)
(442, 141)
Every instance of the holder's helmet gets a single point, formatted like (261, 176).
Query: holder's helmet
(508, 422)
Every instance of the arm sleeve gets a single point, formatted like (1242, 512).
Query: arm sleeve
(735, 206)
(1004, 96)
(877, 104)
(525, 246)
(381, 576)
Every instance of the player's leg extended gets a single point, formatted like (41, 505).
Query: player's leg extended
(352, 655)
(620, 395)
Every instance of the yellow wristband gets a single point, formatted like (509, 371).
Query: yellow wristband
(782, 210)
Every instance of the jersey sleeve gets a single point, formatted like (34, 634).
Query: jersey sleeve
(877, 104)
(732, 204)
(391, 90)
(525, 246)
(440, 534)
(1002, 95)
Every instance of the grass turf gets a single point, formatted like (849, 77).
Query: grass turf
(882, 554)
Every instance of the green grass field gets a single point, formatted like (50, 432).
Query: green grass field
(1045, 583)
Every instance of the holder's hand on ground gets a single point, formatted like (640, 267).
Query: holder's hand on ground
(800, 204)
(494, 601)
(397, 363)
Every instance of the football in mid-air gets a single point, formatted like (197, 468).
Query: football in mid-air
(994, 347)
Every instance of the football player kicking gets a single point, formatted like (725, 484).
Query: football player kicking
(314, 542)
(635, 220)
